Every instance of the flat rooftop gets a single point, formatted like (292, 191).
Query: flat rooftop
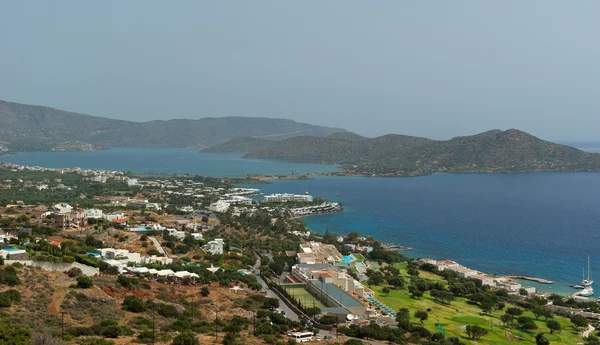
(337, 294)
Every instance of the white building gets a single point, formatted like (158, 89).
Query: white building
(219, 206)
(98, 178)
(187, 209)
(288, 197)
(484, 279)
(63, 208)
(197, 236)
(215, 246)
(180, 235)
(112, 216)
(93, 213)
(153, 207)
(238, 200)
(123, 256)
(133, 182)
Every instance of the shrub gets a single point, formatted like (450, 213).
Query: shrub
(74, 272)
(167, 310)
(186, 338)
(84, 282)
(133, 304)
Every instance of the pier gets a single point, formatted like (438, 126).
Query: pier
(533, 279)
(396, 247)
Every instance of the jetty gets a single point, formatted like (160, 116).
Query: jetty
(396, 247)
(533, 279)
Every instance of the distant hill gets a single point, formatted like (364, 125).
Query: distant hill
(398, 155)
(37, 128)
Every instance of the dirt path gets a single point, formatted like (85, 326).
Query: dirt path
(588, 331)
(61, 286)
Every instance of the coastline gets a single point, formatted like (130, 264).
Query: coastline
(266, 182)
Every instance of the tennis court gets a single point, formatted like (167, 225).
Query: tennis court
(304, 297)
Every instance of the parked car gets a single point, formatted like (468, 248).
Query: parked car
(318, 338)
(328, 337)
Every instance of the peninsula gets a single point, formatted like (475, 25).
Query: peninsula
(494, 151)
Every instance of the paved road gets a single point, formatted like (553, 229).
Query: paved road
(289, 313)
(158, 246)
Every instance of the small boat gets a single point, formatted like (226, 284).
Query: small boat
(586, 292)
(575, 286)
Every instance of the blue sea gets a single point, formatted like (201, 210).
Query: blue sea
(171, 160)
(541, 224)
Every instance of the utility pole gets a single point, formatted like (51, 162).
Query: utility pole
(62, 326)
(153, 327)
(193, 309)
(216, 324)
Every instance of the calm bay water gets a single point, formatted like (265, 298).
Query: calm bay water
(543, 224)
(163, 159)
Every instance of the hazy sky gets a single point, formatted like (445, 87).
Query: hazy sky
(428, 68)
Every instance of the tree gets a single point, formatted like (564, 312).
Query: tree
(507, 319)
(523, 292)
(133, 304)
(540, 339)
(403, 318)
(84, 282)
(186, 338)
(385, 290)
(396, 282)
(421, 315)
(579, 321)
(542, 312)
(553, 325)
(526, 323)
(205, 291)
(514, 311)
(475, 332)
(487, 305)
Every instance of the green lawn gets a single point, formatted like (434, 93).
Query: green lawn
(359, 258)
(305, 297)
(460, 313)
(423, 274)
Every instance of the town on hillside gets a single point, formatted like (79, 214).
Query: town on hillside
(107, 257)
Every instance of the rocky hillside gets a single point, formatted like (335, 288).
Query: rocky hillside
(397, 155)
(36, 128)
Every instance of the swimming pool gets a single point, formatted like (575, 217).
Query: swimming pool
(10, 249)
(348, 259)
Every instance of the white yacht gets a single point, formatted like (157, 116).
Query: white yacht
(586, 292)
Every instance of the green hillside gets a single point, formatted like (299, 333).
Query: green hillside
(398, 155)
(36, 128)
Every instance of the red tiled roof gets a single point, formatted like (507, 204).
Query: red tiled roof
(120, 220)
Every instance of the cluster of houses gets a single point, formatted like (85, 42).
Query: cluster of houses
(479, 277)
(324, 208)
(124, 260)
(84, 172)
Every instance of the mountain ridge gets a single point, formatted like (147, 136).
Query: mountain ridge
(493, 151)
(38, 128)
